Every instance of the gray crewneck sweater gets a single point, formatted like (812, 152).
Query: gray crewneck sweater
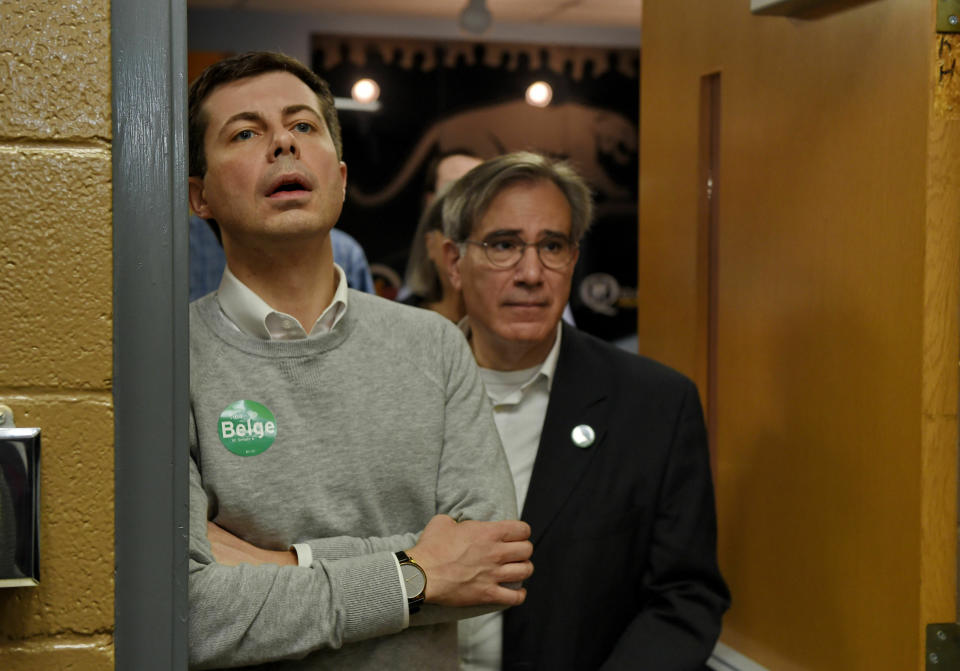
(353, 440)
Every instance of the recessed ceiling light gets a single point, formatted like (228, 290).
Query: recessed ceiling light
(475, 17)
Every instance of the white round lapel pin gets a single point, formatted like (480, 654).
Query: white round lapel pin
(583, 436)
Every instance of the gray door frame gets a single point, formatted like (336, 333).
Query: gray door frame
(150, 339)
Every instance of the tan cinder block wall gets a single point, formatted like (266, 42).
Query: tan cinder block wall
(56, 320)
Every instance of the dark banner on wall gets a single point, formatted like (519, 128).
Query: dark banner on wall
(438, 96)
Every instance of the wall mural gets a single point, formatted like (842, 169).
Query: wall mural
(437, 96)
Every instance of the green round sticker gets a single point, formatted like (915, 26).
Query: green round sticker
(247, 428)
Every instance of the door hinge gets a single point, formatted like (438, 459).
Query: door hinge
(943, 646)
(948, 16)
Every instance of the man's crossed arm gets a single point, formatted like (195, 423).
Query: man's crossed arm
(467, 563)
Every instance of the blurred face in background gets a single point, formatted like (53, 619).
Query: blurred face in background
(453, 168)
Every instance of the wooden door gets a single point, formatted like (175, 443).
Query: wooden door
(830, 343)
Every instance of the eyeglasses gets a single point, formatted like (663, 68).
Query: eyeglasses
(504, 250)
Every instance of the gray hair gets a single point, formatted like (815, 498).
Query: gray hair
(468, 199)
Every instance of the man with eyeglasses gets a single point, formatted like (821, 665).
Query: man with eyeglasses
(608, 450)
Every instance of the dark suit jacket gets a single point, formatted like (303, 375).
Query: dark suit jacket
(624, 531)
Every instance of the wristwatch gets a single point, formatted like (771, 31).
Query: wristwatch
(414, 579)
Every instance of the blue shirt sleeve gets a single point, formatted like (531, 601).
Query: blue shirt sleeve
(348, 254)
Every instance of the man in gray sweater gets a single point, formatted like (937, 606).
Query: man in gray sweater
(328, 427)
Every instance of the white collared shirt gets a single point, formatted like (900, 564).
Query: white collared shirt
(254, 316)
(520, 399)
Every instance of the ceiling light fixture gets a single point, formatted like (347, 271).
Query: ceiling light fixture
(539, 94)
(365, 91)
(475, 17)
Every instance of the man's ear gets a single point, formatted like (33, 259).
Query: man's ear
(343, 178)
(198, 199)
(451, 263)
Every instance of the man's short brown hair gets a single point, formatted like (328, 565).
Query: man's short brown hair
(251, 64)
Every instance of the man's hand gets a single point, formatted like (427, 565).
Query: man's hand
(231, 550)
(467, 563)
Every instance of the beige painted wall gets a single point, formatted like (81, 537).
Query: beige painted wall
(836, 333)
(56, 320)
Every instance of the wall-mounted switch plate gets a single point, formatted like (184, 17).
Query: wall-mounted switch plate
(948, 16)
(19, 507)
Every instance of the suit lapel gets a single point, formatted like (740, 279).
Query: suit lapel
(577, 397)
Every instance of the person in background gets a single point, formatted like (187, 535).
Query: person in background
(445, 169)
(608, 450)
(428, 287)
(424, 286)
(349, 496)
(207, 260)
